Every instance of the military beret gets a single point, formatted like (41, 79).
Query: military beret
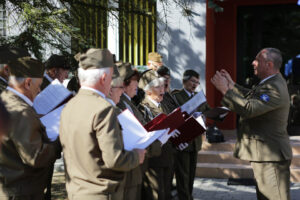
(57, 61)
(116, 73)
(27, 67)
(163, 70)
(96, 59)
(126, 71)
(149, 79)
(9, 54)
(189, 74)
(155, 57)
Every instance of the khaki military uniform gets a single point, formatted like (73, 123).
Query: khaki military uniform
(95, 159)
(186, 160)
(133, 178)
(156, 182)
(262, 136)
(26, 153)
(3, 85)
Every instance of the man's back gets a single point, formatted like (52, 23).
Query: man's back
(93, 147)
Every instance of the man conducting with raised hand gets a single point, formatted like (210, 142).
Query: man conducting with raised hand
(26, 152)
(262, 137)
(91, 137)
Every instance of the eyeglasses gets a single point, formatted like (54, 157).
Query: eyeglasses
(120, 87)
(195, 82)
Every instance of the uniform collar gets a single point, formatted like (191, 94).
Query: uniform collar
(92, 89)
(154, 102)
(3, 79)
(22, 96)
(111, 101)
(48, 77)
(188, 93)
(127, 96)
(264, 80)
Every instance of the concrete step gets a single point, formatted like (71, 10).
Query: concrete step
(217, 170)
(229, 145)
(227, 157)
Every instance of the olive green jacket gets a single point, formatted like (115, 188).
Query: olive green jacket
(134, 176)
(262, 135)
(165, 157)
(25, 152)
(182, 97)
(93, 147)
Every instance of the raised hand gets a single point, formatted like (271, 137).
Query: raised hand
(220, 82)
(228, 77)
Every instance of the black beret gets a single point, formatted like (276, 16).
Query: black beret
(57, 61)
(27, 67)
(9, 54)
(163, 70)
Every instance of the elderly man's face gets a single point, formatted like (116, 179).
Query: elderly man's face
(260, 65)
(155, 65)
(191, 84)
(34, 88)
(157, 93)
(107, 81)
(116, 92)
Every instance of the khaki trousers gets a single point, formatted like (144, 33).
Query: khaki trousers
(273, 180)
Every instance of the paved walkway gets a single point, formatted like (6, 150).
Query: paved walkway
(212, 189)
(217, 189)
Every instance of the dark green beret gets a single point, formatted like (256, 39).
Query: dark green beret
(10, 54)
(57, 61)
(126, 71)
(147, 78)
(96, 59)
(27, 67)
(189, 74)
(163, 70)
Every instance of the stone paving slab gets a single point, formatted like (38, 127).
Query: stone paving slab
(217, 189)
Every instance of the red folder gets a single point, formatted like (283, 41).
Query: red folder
(188, 131)
(163, 121)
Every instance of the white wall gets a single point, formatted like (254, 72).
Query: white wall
(182, 42)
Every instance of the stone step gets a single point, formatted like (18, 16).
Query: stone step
(227, 157)
(217, 170)
(229, 146)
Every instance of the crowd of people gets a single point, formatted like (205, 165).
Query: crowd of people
(90, 138)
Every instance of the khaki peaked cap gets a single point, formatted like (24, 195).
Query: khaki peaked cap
(126, 71)
(96, 59)
(27, 67)
(155, 57)
(9, 54)
(147, 78)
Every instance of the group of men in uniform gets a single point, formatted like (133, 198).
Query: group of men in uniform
(96, 164)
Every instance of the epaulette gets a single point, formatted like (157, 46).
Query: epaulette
(175, 91)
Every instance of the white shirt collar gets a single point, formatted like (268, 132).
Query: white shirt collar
(3, 79)
(22, 96)
(127, 96)
(266, 78)
(48, 77)
(154, 102)
(188, 93)
(96, 91)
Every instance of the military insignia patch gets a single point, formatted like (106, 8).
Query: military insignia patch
(265, 97)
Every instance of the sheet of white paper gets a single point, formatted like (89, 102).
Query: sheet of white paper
(52, 121)
(50, 97)
(190, 106)
(134, 134)
(200, 120)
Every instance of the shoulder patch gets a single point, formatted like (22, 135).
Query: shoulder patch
(265, 97)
